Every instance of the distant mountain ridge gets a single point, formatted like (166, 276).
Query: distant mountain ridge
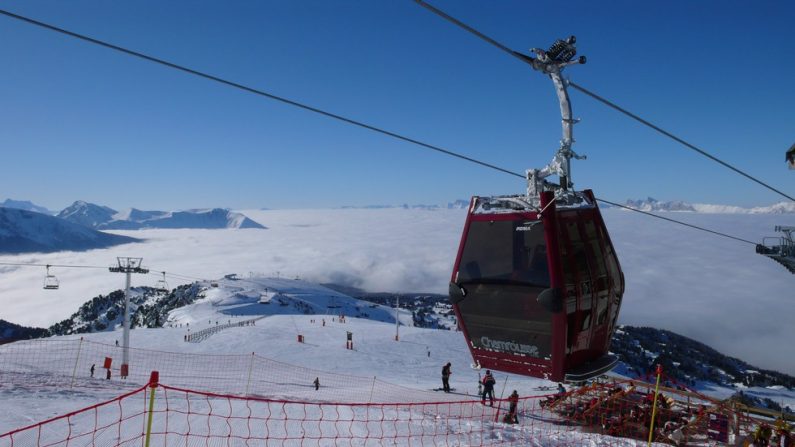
(97, 216)
(652, 204)
(649, 204)
(404, 206)
(104, 218)
(27, 231)
(25, 205)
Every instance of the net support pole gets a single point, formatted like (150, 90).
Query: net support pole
(654, 405)
(372, 388)
(250, 369)
(77, 360)
(153, 380)
(502, 393)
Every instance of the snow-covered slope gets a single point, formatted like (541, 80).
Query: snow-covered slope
(25, 231)
(278, 296)
(378, 369)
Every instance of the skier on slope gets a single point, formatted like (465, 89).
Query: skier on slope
(446, 377)
(488, 388)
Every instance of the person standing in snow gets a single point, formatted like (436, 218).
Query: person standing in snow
(317, 383)
(488, 388)
(513, 401)
(92, 369)
(446, 377)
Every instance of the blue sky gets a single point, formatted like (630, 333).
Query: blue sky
(81, 122)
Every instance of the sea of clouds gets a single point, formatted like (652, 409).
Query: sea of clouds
(713, 289)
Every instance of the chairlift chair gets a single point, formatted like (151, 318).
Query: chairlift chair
(50, 281)
(536, 285)
(780, 249)
(161, 285)
(790, 157)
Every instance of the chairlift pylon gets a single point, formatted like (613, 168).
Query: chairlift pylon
(50, 281)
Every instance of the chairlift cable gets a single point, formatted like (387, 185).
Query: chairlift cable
(468, 28)
(601, 99)
(28, 264)
(675, 138)
(677, 221)
(322, 112)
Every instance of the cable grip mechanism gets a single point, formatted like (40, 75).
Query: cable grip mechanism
(551, 62)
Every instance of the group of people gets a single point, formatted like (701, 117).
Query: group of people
(487, 385)
(777, 435)
(107, 372)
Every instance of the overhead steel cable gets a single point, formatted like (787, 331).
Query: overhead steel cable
(31, 264)
(328, 114)
(246, 88)
(463, 25)
(593, 95)
(675, 138)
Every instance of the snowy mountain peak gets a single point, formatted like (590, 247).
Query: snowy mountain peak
(87, 214)
(104, 218)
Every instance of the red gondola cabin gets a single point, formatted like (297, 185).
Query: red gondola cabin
(538, 292)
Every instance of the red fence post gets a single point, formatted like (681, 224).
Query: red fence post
(654, 405)
(154, 377)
